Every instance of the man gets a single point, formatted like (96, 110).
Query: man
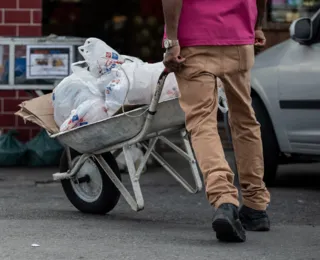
(206, 39)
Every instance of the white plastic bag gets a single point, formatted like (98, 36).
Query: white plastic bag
(116, 92)
(139, 77)
(88, 112)
(135, 83)
(64, 96)
(131, 59)
(143, 78)
(100, 57)
(222, 98)
(170, 89)
(72, 92)
(122, 89)
(96, 85)
(136, 154)
(81, 70)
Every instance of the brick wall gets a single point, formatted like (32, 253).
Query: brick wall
(9, 101)
(18, 18)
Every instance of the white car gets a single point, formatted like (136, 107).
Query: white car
(286, 97)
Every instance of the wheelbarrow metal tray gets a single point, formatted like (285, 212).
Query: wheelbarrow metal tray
(114, 130)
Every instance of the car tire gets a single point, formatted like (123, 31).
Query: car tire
(269, 141)
(108, 196)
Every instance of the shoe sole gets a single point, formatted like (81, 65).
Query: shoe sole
(227, 231)
(261, 225)
(258, 228)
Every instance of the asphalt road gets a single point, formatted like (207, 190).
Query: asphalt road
(174, 224)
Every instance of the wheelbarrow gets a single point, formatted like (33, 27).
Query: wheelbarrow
(88, 170)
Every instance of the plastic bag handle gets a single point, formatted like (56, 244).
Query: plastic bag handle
(75, 68)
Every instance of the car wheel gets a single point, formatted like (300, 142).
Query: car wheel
(269, 141)
(91, 190)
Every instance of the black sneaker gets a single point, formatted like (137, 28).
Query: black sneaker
(227, 225)
(254, 220)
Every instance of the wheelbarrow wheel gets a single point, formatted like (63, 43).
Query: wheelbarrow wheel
(91, 191)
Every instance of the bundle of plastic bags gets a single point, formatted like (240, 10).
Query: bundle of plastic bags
(104, 82)
(78, 101)
(135, 84)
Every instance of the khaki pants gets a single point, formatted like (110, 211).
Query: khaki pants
(197, 83)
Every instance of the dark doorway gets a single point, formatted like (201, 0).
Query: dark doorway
(132, 27)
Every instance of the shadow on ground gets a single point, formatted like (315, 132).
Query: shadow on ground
(301, 176)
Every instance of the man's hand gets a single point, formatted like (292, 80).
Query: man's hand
(260, 39)
(172, 59)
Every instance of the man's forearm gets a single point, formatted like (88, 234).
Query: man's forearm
(261, 6)
(171, 11)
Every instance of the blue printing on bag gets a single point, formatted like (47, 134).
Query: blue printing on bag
(75, 118)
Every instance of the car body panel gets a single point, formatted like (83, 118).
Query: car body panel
(264, 81)
(299, 95)
(287, 79)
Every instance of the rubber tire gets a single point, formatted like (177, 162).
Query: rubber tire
(109, 196)
(271, 152)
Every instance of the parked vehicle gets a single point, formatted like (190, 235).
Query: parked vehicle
(286, 97)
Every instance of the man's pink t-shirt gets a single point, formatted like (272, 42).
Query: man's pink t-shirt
(217, 22)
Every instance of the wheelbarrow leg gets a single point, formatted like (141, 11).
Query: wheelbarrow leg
(188, 155)
(133, 177)
(137, 204)
(192, 161)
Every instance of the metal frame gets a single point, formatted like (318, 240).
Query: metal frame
(137, 202)
(12, 42)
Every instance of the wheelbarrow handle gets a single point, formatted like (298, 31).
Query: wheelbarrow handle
(157, 94)
(152, 109)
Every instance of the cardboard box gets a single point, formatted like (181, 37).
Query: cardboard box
(39, 111)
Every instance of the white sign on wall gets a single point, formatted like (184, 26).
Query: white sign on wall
(48, 62)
